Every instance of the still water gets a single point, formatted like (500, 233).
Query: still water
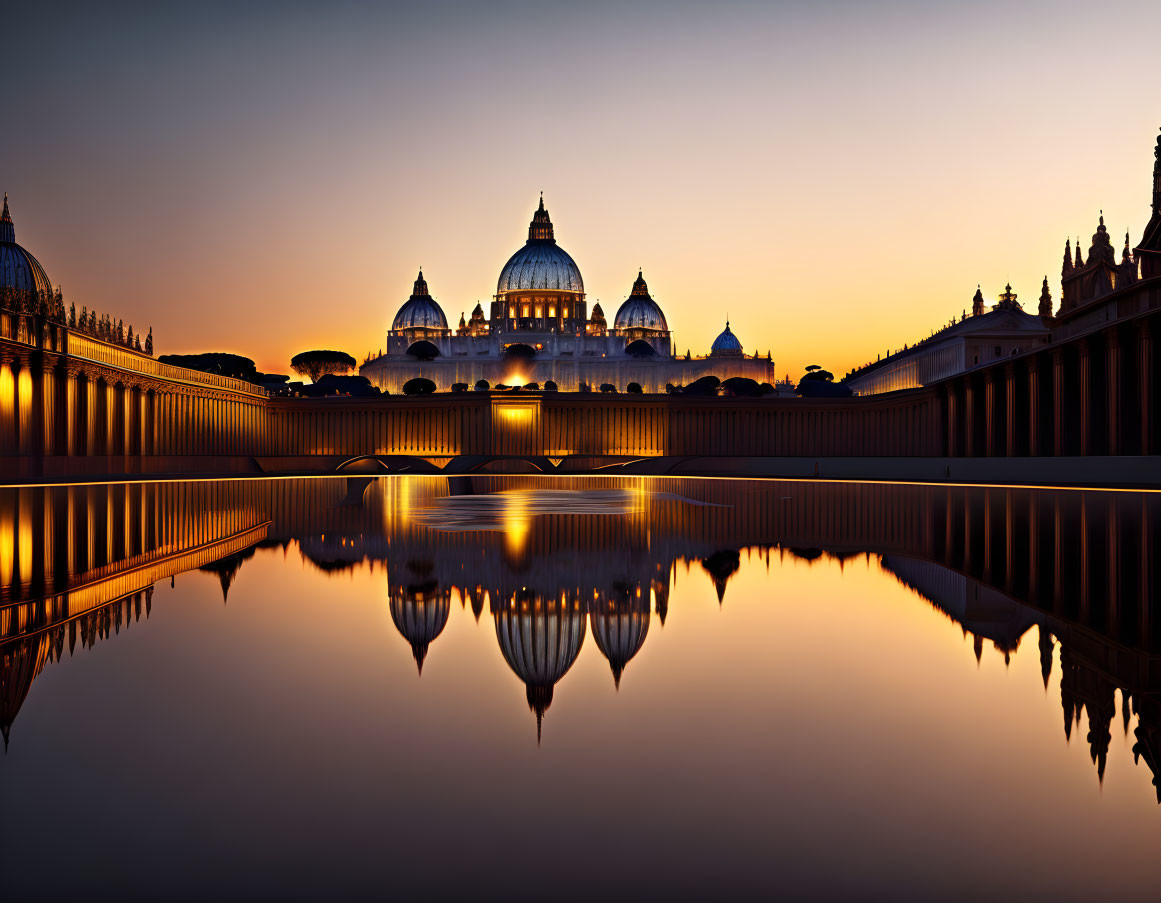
(544, 688)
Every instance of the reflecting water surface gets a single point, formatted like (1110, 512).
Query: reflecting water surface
(555, 688)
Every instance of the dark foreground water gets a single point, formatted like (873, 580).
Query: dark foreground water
(541, 688)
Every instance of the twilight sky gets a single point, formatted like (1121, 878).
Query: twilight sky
(837, 177)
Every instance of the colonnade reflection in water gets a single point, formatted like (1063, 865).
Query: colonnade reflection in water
(552, 561)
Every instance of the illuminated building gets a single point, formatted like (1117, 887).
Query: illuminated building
(540, 329)
(985, 337)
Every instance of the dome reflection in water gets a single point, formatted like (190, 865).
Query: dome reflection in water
(802, 673)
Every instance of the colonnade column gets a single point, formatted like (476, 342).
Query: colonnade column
(9, 419)
(989, 413)
(101, 418)
(1113, 387)
(1058, 402)
(62, 411)
(1145, 384)
(952, 413)
(969, 418)
(1034, 412)
(1010, 410)
(1084, 372)
(150, 441)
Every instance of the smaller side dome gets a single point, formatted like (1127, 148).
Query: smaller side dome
(420, 311)
(726, 344)
(640, 311)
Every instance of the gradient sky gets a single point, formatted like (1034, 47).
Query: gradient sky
(837, 177)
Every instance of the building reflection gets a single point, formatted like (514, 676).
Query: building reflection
(551, 561)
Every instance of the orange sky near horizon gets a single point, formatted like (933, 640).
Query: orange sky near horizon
(837, 178)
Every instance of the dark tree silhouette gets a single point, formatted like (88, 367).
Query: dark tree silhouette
(215, 362)
(633, 388)
(317, 364)
(418, 386)
(482, 385)
(819, 383)
(707, 385)
(741, 386)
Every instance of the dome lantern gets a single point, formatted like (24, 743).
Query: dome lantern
(540, 229)
(7, 232)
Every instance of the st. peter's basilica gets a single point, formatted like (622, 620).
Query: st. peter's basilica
(540, 329)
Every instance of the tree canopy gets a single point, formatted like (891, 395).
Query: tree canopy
(742, 386)
(819, 383)
(319, 363)
(418, 386)
(219, 362)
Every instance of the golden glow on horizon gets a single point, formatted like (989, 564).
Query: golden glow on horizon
(837, 223)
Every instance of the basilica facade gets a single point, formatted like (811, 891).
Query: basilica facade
(539, 328)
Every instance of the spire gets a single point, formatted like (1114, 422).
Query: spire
(7, 232)
(1079, 259)
(420, 287)
(1045, 300)
(1102, 247)
(1067, 258)
(540, 229)
(1127, 254)
(1157, 178)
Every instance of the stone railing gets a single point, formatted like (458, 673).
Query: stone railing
(88, 348)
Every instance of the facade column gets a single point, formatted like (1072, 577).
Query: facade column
(969, 418)
(1145, 384)
(1034, 412)
(82, 414)
(1010, 448)
(134, 419)
(150, 444)
(1113, 388)
(1057, 402)
(952, 413)
(42, 413)
(101, 418)
(1084, 366)
(62, 385)
(989, 413)
(9, 441)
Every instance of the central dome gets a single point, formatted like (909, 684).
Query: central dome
(541, 263)
(19, 270)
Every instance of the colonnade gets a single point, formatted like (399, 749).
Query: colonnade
(53, 405)
(1092, 395)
